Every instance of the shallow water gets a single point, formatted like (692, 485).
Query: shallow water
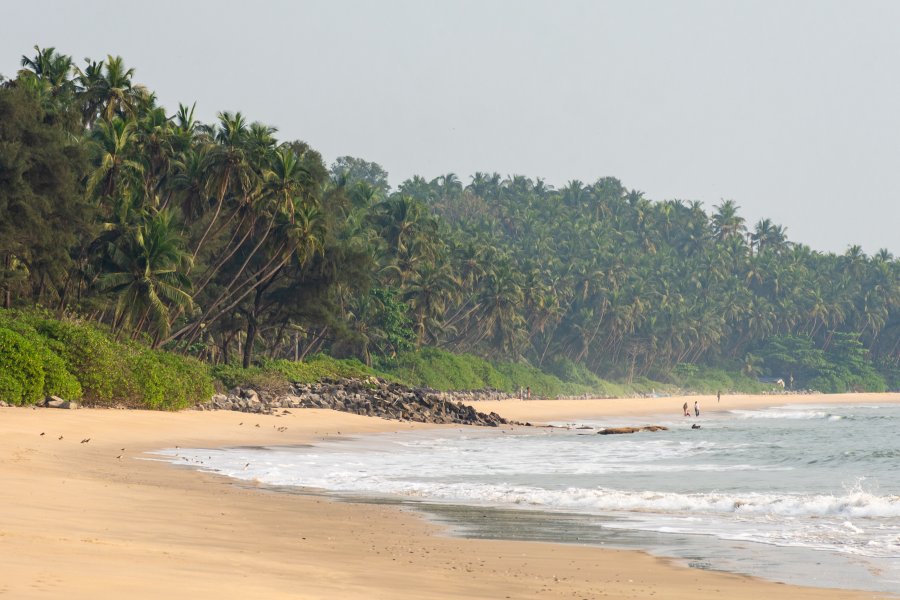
(801, 494)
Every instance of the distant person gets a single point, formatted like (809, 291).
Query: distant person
(685, 409)
(696, 408)
(718, 396)
(528, 393)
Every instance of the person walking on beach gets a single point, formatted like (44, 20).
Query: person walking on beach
(685, 409)
(718, 396)
(696, 408)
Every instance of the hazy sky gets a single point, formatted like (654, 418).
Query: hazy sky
(790, 108)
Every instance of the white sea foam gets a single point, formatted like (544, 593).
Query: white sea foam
(774, 413)
(738, 478)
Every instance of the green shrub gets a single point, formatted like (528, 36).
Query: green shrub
(275, 375)
(163, 381)
(21, 374)
(58, 381)
(82, 360)
(96, 361)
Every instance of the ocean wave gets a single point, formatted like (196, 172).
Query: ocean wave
(854, 503)
(783, 414)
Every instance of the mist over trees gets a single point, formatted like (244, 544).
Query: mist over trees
(221, 241)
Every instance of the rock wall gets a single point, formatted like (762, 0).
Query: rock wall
(371, 397)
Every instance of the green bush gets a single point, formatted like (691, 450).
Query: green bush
(58, 381)
(709, 380)
(78, 359)
(275, 375)
(163, 381)
(96, 361)
(442, 370)
(21, 374)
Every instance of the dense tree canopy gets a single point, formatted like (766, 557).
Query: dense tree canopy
(219, 240)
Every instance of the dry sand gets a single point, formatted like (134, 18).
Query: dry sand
(94, 520)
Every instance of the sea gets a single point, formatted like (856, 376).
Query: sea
(802, 494)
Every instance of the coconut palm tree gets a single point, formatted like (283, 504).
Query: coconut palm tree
(726, 221)
(146, 275)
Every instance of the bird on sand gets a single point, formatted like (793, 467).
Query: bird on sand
(59, 438)
(42, 433)
(85, 440)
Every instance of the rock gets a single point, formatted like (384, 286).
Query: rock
(71, 405)
(372, 397)
(54, 402)
(619, 430)
(3, 404)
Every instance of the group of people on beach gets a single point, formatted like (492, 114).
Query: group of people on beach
(687, 412)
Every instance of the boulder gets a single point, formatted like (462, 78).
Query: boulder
(54, 402)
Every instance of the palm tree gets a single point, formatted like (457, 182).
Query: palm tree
(146, 275)
(499, 299)
(429, 293)
(286, 179)
(726, 221)
(108, 91)
(230, 169)
(112, 147)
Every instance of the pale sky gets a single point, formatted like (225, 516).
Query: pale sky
(790, 108)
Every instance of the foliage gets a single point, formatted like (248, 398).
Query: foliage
(42, 208)
(164, 381)
(21, 375)
(91, 356)
(273, 375)
(841, 367)
(78, 361)
(710, 380)
(217, 239)
(58, 381)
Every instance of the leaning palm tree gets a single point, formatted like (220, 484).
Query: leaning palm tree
(429, 293)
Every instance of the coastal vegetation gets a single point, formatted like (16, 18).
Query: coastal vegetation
(165, 252)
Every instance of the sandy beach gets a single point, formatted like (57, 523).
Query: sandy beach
(85, 514)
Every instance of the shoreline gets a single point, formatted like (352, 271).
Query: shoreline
(86, 519)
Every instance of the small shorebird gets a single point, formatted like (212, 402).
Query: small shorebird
(85, 440)
(42, 433)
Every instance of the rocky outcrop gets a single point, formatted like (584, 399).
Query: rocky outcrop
(371, 397)
(616, 430)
